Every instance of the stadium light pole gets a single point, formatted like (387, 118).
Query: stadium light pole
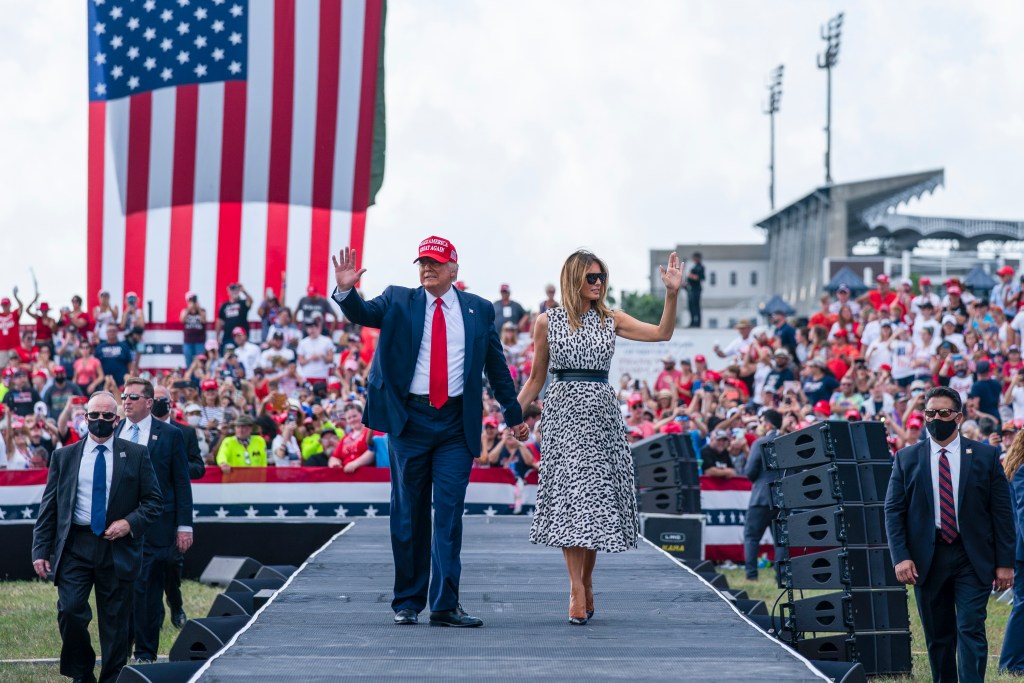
(771, 109)
(830, 33)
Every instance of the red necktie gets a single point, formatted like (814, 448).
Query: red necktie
(438, 358)
(947, 509)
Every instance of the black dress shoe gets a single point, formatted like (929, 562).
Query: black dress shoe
(143, 660)
(454, 617)
(405, 617)
(178, 619)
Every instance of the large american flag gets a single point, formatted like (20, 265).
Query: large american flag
(229, 141)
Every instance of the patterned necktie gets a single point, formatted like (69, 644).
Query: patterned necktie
(438, 358)
(98, 514)
(947, 508)
(134, 433)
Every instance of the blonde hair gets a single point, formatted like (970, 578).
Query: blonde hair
(574, 273)
(1014, 457)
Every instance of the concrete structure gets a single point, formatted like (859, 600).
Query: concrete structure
(735, 285)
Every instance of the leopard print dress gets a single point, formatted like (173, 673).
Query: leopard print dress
(586, 494)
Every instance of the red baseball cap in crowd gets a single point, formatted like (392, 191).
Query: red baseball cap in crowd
(953, 289)
(885, 367)
(44, 306)
(636, 431)
(822, 408)
(852, 415)
(699, 358)
(504, 288)
(59, 370)
(841, 332)
(882, 277)
(491, 421)
(672, 427)
(5, 301)
(238, 330)
(914, 424)
(635, 399)
(1005, 270)
(208, 384)
(439, 249)
(713, 376)
(311, 290)
(333, 384)
(924, 281)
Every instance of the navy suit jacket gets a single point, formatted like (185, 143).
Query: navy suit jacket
(170, 462)
(399, 314)
(134, 497)
(760, 476)
(1017, 488)
(985, 518)
(196, 466)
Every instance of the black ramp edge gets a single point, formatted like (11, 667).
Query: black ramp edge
(655, 620)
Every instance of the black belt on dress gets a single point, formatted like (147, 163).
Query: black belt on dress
(580, 375)
(421, 398)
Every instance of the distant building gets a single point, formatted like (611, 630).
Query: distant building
(735, 285)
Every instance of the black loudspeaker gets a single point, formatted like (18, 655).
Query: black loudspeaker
(253, 585)
(828, 527)
(276, 571)
(234, 604)
(716, 580)
(834, 440)
(201, 638)
(684, 500)
(222, 570)
(736, 594)
(655, 450)
(749, 607)
(167, 672)
(841, 672)
(261, 597)
(700, 566)
(661, 474)
(838, 482)
(884, 652)
(864, 610)
(678, 535)
(838, 569)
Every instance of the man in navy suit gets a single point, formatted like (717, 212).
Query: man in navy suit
(951, 534)
(101, 495)
(425, 390)
(173, 529)
(759, 509)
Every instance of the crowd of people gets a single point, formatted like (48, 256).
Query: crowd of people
(297, 396)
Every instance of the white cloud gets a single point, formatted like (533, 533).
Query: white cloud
(524, 130)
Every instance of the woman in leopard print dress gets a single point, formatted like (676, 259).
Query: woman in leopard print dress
(586, 500)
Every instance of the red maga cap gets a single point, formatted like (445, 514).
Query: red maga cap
(208, 384)
(439, 249)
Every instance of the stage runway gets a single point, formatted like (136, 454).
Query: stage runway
(654, 621)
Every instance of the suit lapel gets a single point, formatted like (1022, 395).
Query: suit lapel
(469, 325)
(117, 450)
(925, 467)
(74, 465)
(966, 465)
(419, 310)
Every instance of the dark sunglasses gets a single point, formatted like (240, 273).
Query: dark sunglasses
(594, 278)
(101, 415)
(134, 397)
(943, 413)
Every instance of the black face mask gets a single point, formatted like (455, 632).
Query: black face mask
(161, 407)
(101, 429)
(941, 429)
(59, 379)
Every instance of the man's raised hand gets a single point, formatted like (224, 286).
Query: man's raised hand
(345, 273)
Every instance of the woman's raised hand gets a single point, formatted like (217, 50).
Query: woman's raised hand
(672, 274)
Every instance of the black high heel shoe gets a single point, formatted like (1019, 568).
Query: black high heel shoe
(578, 621)
(590, 614)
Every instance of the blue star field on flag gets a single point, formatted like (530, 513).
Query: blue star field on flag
(141, 45)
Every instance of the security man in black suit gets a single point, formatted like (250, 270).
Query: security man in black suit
(173, 529)
(759, 510)
(951, 534)
(196, 469)
(101, 496)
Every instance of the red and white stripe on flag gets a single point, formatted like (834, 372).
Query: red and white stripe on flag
(200, 185)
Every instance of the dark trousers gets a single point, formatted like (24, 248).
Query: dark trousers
(148, 612)
(1012, 656)
(759, 517)
(172, 581)
(693, 301)
(953, 604)
(88, 562)
(430, 455)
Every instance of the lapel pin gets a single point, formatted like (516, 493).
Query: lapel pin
(970, 451)
(122, 454)
(471, 310)
(152, 437)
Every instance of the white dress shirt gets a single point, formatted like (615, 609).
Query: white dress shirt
(953, 455)
(455, 332)
(83, 501)
(145, 426)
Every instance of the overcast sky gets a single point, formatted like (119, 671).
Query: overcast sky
(523, 130)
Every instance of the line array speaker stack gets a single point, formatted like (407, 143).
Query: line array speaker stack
(830, 500)
(667, 480)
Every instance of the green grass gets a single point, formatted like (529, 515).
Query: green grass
(28, 627)
(764, 589)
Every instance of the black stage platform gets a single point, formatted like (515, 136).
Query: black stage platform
(655, 620)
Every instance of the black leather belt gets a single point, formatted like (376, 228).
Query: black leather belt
(580, 375)
(84, 528)
(421, 398)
